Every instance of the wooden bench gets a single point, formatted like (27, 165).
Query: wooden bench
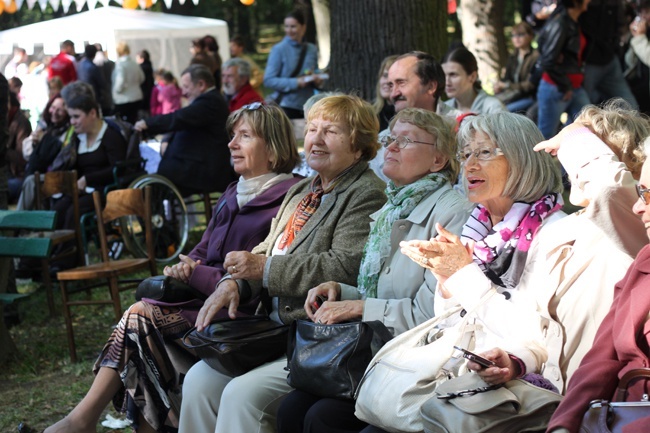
(10, 247)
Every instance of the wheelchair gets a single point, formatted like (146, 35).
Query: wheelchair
(170, 215)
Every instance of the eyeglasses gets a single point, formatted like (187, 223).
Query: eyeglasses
(644, 193)
(256, 106)
(518, 35)
(482, 154)
(401, 141)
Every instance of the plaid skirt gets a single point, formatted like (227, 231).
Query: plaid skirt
(146, 350)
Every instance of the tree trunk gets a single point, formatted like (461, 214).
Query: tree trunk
(322, 18)
(482, 22)
(365, 31)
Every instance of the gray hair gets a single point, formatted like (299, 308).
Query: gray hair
(531, 174)
(243, 67)
(198, 73)
(315, 98)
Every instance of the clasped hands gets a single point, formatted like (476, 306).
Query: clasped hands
(240, 265)
(443, 255)
(332, 309)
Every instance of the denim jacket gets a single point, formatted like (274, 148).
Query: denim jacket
(282, 62)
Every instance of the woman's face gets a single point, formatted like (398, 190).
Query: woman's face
(640, 208)
(521, 39)
(293, 29)
(57, 111)
(384, 85)
(250, 155)
(486, 180)
(457, 82)
(328, 148)
(416, 160)
(82, 121)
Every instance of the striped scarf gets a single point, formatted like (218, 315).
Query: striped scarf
(501, 250)
(307, 207)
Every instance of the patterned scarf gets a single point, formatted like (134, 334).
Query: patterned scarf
(307, 207)
(400, 204)
(501, 251)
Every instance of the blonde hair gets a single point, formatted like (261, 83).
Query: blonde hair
(357, 114)
(441, 130)
(379, 102)
(622, 128)
(274, 127)
(122, 49)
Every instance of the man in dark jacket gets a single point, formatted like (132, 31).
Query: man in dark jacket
(197, 158)
(601, 25)
(90, 73)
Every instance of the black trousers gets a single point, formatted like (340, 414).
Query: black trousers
(302, 412)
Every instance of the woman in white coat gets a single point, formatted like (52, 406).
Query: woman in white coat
(127, 78)
(571, 269)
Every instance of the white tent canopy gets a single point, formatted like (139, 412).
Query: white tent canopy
(167, 37)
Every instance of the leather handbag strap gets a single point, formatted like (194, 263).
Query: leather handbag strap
(603, 417)
(380, 329)
(628, 377)
(301, 60)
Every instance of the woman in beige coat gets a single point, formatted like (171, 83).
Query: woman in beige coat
(588, 252)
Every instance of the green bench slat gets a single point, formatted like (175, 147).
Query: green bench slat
(28, 219)
(8, 298)
(25, 247)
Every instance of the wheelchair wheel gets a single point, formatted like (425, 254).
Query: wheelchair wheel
(169, 219)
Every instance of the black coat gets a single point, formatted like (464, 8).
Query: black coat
(559, 48)
(197, 158)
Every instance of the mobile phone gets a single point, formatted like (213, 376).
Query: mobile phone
(474, 357)
(318, 302)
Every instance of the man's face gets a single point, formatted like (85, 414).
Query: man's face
(190, 90)
(69, 49)
(232, 82)
(236, 50)
(407, 90)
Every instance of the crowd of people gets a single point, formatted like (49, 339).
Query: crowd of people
(399, 211)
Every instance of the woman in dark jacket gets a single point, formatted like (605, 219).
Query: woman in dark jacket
(561, 46)
(516, 90)
(141, 367)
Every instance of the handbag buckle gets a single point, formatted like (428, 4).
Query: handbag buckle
(469, 392)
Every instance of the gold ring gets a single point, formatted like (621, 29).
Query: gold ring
(423, 261)
(234, 269)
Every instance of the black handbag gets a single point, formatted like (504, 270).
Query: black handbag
(603, 416)
(234, 347)
(329, 360)
(167, 289)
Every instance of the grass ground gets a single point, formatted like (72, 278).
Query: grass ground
(41, 385)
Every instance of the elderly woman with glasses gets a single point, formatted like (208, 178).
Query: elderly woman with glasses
(317, 236)
(561, 272)
(420, 161)
(142, 365)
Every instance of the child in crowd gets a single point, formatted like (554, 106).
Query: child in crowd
(155, 107)
(169, 94)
